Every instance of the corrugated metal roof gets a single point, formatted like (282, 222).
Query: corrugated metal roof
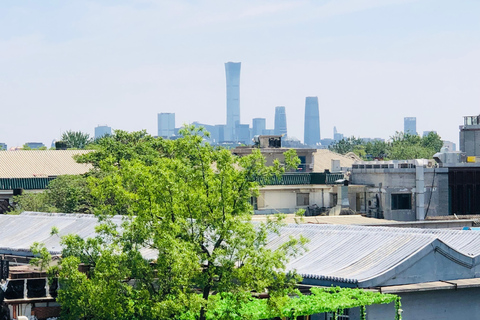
(353, 254)
(346, 219)
(323, 160)
(19, 232)
(40, 163)
(343, 253)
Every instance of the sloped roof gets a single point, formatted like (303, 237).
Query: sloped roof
(19, 232)
(337, 254)
(40, 163)
(323, 160)
(359, 254)
(356, 219)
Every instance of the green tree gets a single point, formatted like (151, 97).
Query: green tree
(406, 146)
(69, 194)
(347, 145)
(76, 139)
(402, 146)
(186, 206)
(65, 194)
(31, 201)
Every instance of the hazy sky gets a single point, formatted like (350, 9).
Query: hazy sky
(73, 65)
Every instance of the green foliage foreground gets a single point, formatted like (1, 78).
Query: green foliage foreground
(321, 300)
(186, 247)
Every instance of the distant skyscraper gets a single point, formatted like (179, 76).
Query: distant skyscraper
(336, 135)
(232, 72)
(34, 145)
(426, 133)
(243, 134)
(102, 131)
(280, 125)
(312, 122)
(258, 125)
(410, 125)
(166, 124)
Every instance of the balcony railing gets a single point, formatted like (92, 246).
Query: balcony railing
(303, 178)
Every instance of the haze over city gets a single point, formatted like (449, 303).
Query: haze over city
(74, 65)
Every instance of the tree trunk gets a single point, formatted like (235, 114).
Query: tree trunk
(203, 311)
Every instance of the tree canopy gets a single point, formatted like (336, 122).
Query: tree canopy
(186, 248)
(65, 194)
(401, 146)
(186, 233)
(76, 139)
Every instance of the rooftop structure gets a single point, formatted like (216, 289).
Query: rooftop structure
(470, 136)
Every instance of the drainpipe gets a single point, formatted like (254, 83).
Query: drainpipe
(419, 190)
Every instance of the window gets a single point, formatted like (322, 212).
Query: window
(342, 315)
(302, 199)
(253, 202)
(401, 201)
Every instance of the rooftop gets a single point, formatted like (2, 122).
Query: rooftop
(347, 255)
(40, 163)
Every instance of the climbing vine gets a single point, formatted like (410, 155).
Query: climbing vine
(320, 300)
(398, 309)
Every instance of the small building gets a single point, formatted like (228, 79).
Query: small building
(470, 136)
(435, 272)
(34, 169)
(403, 190)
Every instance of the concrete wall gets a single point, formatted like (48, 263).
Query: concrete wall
(470, 141)
(273, 199)
(284, 198)
(432, 305)
(404, 181)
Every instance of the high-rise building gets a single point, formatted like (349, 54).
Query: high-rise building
(280, 125)
(426, 133)
(166, 125)
(258, 125)
(243, 134)
(410, 125)
(336, 135)
(232, 72)
(101, 131)
(311, 135)
(34, 145)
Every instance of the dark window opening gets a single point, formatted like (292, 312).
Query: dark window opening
(401, 201)
(303, 199)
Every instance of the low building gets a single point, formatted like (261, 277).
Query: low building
(435, 272)
(404, 190)
(34, 169)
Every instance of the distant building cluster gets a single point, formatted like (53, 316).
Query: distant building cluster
(235, 133)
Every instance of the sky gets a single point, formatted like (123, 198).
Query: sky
(74, 65)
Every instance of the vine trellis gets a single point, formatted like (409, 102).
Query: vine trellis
(321, 300)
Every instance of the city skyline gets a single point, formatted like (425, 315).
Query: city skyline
(69, 66)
